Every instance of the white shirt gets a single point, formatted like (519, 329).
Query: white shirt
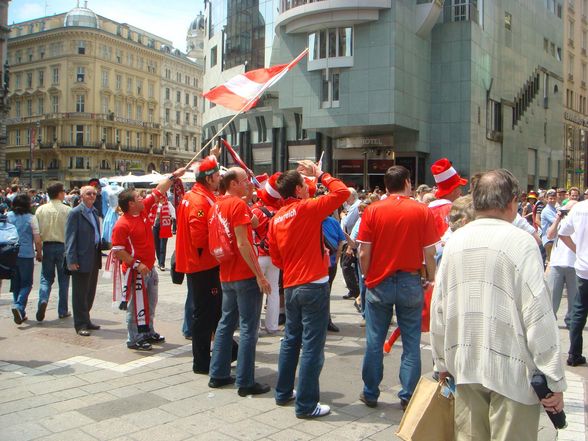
(521, 223)
(577, 224)
(561, 255)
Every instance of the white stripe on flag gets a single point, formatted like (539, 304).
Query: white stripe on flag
(242, 86)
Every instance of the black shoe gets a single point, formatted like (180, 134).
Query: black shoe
(576, 360)
(18, 319)
(142, 345)
(66, 315)
(348, 296)
(220, 382)
(332, 327)
(256, 389)
(156, 338)
(357, 307)
(41, 312)
(368, 403)
(403, 404)
(200, 371)
(93, 327)
(188, 337)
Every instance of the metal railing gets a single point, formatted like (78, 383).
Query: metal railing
(84, 115)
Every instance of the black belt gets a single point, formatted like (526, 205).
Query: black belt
(50, 242)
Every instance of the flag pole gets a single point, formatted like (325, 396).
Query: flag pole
(247, 104)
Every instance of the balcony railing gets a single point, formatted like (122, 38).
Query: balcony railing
(463, 12)
(70, 145)
(286, 5)
(83, 115)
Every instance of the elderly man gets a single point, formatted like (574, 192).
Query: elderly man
(492, 326)
(132, 243)
(84, 258)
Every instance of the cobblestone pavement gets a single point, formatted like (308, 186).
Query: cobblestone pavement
(55, 385)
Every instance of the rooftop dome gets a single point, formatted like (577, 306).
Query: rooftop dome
(81, 17)
(198, 23)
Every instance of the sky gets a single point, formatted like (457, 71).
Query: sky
(168, 19)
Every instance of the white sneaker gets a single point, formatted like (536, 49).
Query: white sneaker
(319, 411)
(288, 400)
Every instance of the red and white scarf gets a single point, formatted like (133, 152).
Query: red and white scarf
(125, 286)
(165, 219)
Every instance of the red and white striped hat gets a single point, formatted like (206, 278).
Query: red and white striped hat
(446, 177)
(268, 192)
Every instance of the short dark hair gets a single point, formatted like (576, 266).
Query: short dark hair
(125, 197)
(287, 183)
(395, 178)
(494, 190)
(14, 188)
(230, 176)
(21, 204)
(54, 189)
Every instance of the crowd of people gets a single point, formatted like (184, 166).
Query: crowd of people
(496, 259)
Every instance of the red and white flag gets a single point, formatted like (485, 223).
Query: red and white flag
(242, 92)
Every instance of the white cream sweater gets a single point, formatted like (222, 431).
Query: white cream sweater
(492, 322)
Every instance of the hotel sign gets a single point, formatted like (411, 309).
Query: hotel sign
(361, 142)
(575, 119)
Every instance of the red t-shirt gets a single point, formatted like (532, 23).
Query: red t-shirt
(296, 234)
(398, 229)
(134, 234)
(236, 212)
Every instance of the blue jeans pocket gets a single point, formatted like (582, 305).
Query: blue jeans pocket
(410, 293)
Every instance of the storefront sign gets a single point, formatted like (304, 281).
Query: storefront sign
(575, 119)
(347, 166)
(379, 166)
(361, 142)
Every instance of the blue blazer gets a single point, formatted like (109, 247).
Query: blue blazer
(79, 239)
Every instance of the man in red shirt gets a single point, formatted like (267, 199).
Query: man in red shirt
(193, 258)
(449, 185)
(395, 234)
(264, 209)
(297, 247)
(243, 286)
(133, 245)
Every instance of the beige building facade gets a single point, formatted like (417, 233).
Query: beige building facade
(4, 106)
(576, 91)
(86, 100)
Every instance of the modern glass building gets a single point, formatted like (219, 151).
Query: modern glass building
(403, 81)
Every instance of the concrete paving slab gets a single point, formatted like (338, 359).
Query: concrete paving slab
(122, 406)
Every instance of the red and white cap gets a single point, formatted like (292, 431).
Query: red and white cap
(208, 166)
(268, 192)
(446, 177)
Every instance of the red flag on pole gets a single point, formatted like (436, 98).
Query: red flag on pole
(242, 92)
(240, 162)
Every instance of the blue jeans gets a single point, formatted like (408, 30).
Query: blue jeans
(578, 318)
(403, 291)
(133, 335)
(52, 261)
(22, 282)
(188, 315)
(241, 302)
(307, 317)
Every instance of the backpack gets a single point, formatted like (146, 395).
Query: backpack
(9, 247)
(220, 242)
